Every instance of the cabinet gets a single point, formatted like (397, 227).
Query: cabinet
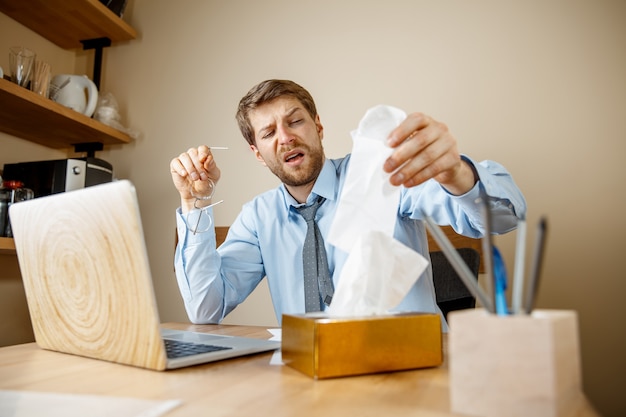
(31, 117)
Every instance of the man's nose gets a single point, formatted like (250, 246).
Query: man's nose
(285, 135)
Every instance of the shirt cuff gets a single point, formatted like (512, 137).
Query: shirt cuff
(186, 235)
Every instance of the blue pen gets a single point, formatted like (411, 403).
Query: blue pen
(499, 272)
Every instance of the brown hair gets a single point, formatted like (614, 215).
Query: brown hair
(266, 91)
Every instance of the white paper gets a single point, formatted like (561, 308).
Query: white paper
(277, 357)
(29, 403)
(368, 201)
(277, 334)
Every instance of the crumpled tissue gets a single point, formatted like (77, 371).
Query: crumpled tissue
(377, 275)
(379, 270)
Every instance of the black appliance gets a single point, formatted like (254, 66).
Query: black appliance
(57, 176)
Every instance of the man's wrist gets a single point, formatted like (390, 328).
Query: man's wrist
(464, 179)
(188, 204)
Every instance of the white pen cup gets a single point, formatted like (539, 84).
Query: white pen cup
(515, 365)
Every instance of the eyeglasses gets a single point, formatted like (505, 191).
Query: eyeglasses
(199, 216)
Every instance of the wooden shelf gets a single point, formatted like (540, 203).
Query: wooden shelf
(7, 246)
(35, 118)
(67, 22)
(32, 117)
(29, 116)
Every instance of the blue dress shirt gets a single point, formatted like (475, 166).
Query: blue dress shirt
(267, 237)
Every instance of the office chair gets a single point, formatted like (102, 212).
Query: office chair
(450, 291)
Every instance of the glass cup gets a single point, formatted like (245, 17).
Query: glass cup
(21, 62)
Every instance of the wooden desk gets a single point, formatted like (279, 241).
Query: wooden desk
(247, 386)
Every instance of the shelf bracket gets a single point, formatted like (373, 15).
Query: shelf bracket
(98, 44)
(90, 148)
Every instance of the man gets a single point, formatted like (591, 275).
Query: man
(279, 121)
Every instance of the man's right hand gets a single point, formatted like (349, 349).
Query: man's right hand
(191, 171)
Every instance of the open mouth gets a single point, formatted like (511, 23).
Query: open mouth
(293, 157)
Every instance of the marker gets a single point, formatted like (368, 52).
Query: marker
(518, 274)
(535, 272)
(458, 264)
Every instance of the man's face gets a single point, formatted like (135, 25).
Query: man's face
(288, 141)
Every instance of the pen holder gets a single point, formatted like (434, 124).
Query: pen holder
(518, 365)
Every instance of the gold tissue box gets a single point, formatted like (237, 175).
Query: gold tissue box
(324, 347)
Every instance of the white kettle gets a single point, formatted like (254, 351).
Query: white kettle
(77, 92)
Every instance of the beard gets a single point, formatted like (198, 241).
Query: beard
(303, 174)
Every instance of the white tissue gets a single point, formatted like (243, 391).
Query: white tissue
(377, 275)
(368, 201)
(379, 270)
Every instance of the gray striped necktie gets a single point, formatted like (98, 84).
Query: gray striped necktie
(317, 281)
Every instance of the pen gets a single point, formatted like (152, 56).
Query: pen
(518, 274)
(487, 243)
(499, 271)
(531, 291)
(458, 264)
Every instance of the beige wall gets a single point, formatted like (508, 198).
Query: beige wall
(539, 86)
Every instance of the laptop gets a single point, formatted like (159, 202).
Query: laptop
(88, 286)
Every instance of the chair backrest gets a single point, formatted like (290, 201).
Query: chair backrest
(451, 292)
(220, 234)
(458, 241)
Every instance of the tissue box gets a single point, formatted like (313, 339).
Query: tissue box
(324, 347)
(514, 366)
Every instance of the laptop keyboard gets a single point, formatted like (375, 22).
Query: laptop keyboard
(180, 349)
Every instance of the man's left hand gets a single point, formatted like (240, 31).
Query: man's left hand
(423, 149)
